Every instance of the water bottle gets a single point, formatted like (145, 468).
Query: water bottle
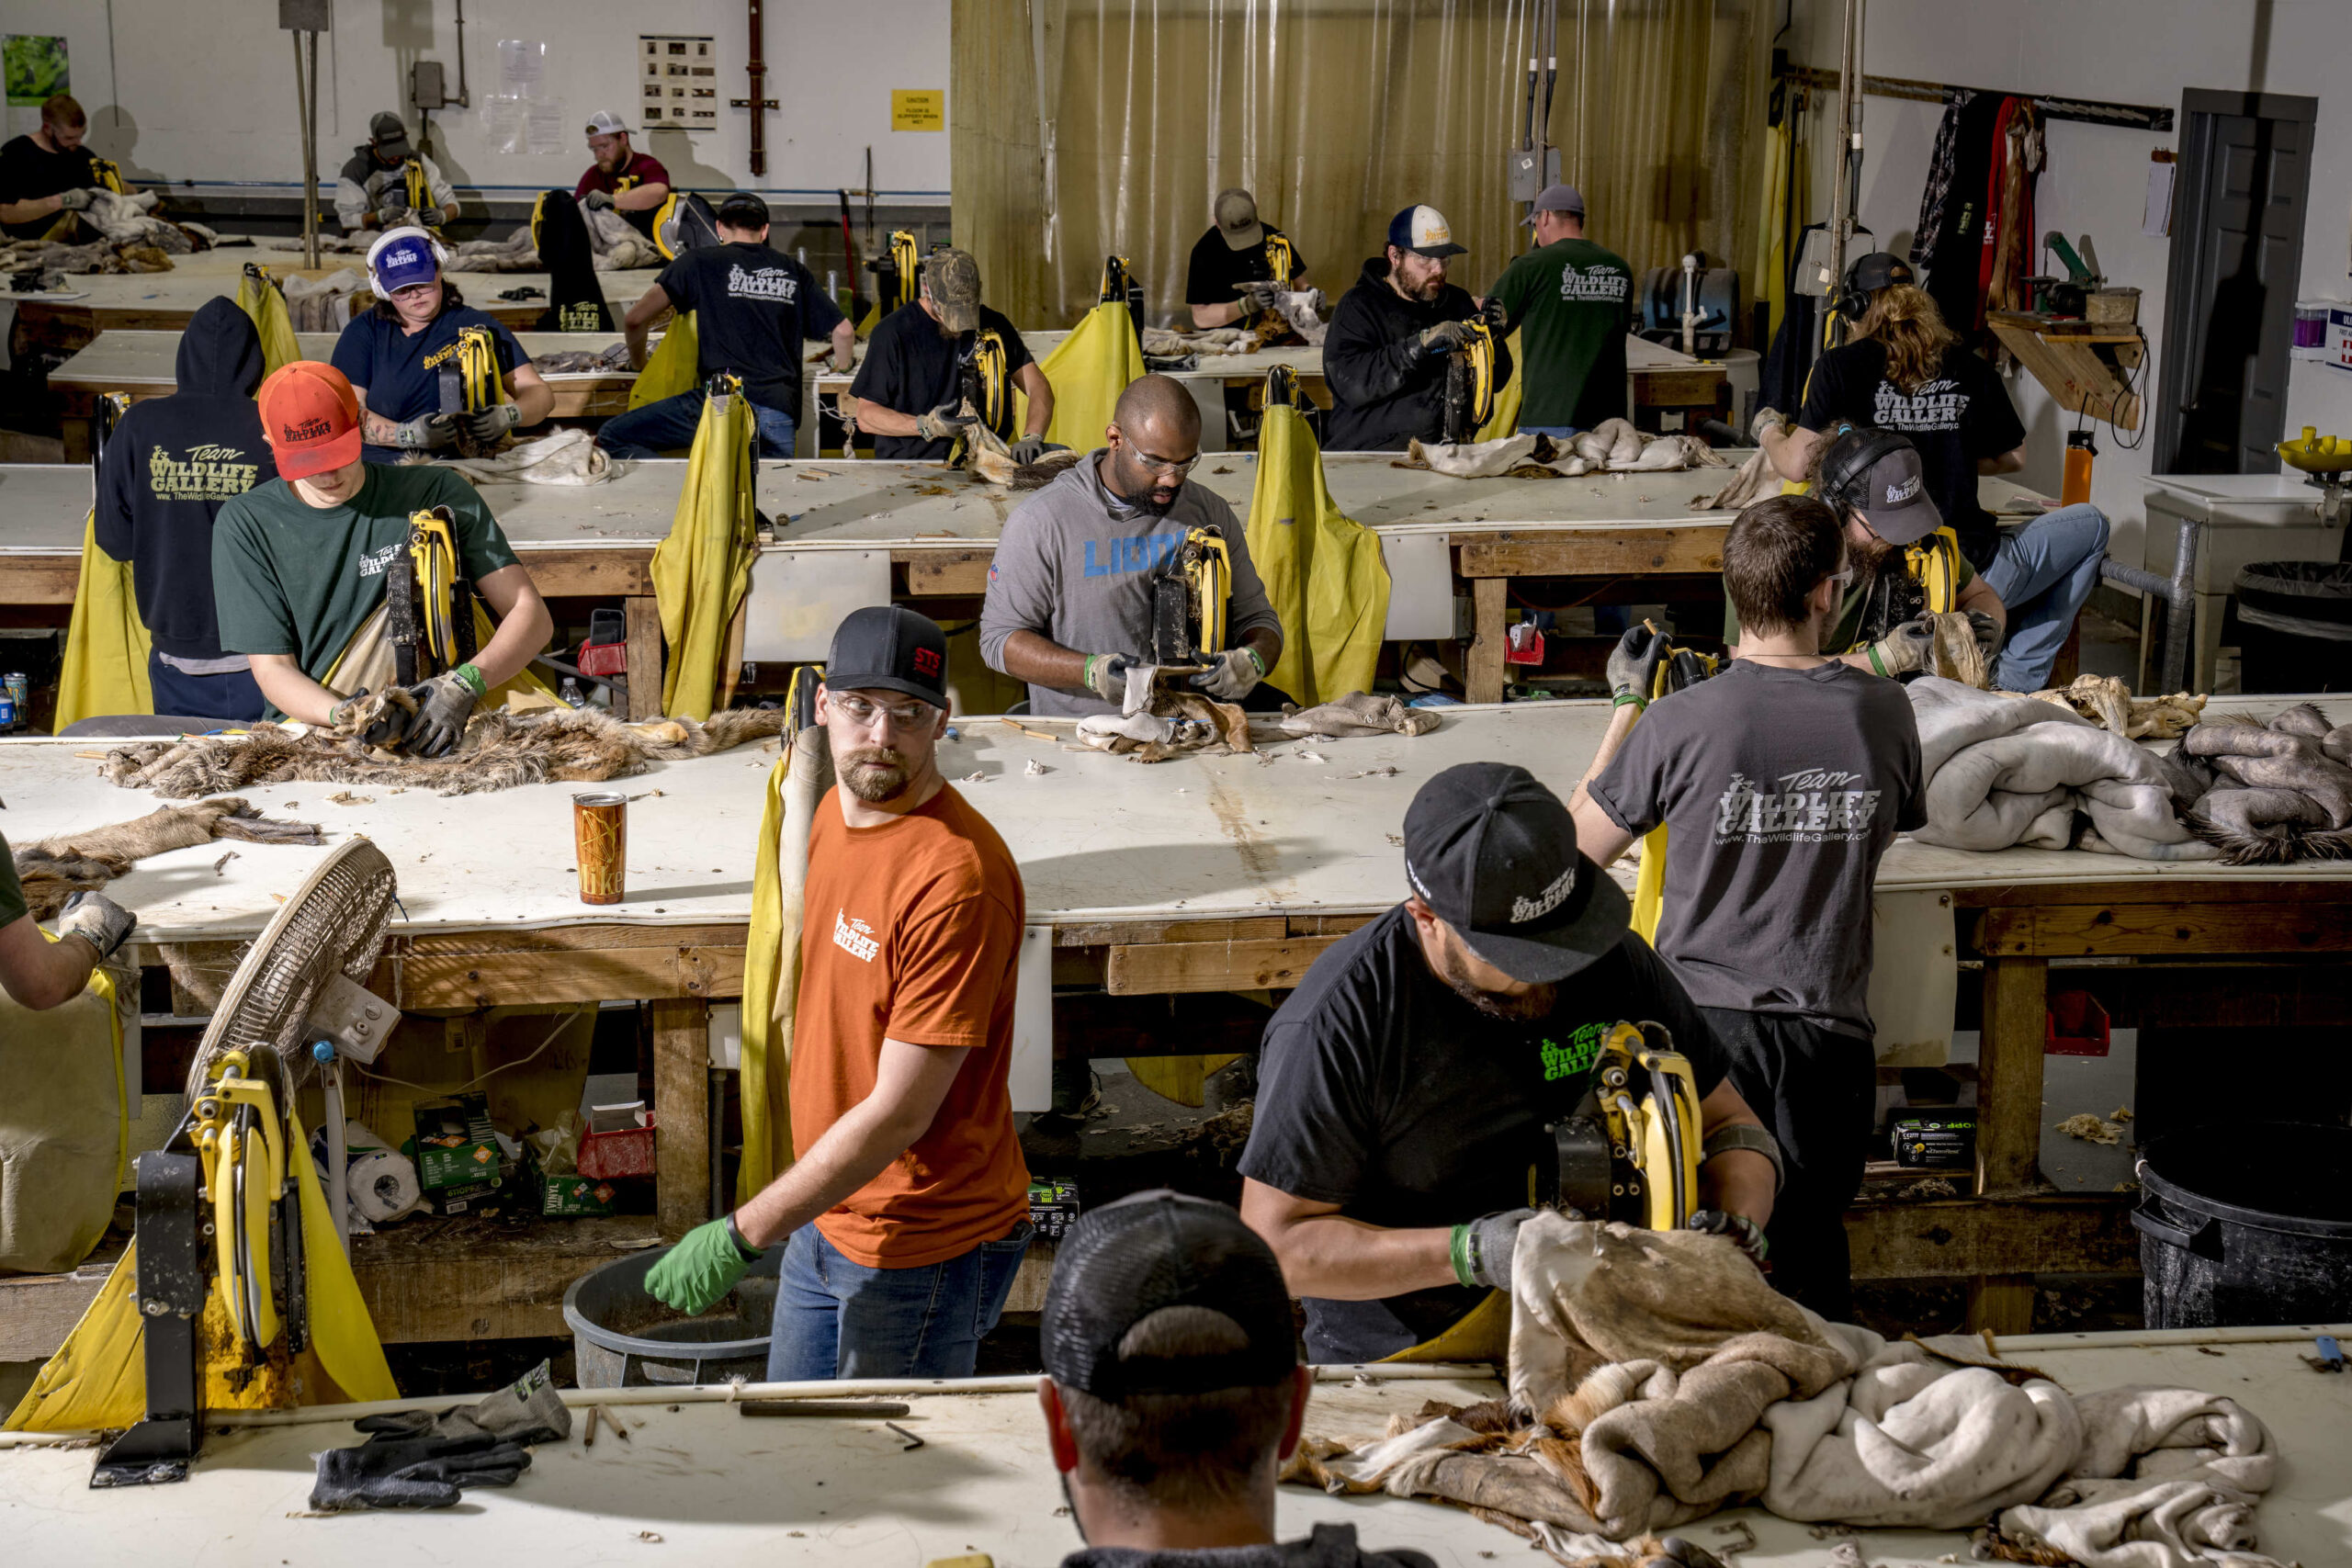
(570, 692)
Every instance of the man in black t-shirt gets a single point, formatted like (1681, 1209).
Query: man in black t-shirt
(753, 308)
(1232, 277)
(1405, 1089)
(909, 387)
(47, 175)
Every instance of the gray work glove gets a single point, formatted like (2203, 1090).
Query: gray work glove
(487, 425)
(97, 920)
(527, 1410)
(427, 433)
(943, 422)
(1254, 297)
(1738, 1229)
(597, 201)
(418, 218)
(1633, 665)
(442, 705)
(1907, 647)
(75, 200)
(1766, 419)
(1236, 669)
(1483, 1248)
(1029, 448)
(1106, 676)
(1445, 337)
(1987, 630)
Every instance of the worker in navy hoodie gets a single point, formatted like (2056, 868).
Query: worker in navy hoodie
(168, 467)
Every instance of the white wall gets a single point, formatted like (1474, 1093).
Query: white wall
(205, 92)
(2143, 51)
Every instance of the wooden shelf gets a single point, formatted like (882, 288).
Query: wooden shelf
(2088, 373)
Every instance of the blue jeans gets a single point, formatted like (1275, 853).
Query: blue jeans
(835, 1318)
(2044, 572)
(670, 424)
(234, 697)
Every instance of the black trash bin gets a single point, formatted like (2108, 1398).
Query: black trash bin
(2295, 627)
(2247, 1224)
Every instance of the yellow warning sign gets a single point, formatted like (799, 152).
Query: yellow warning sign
(918, 108)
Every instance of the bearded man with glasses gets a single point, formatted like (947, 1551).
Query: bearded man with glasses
(1069, 606)
(906, 1215)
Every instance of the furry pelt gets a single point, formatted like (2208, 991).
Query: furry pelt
(54, 870)
(2108, 703)
(501, 750)
(2279, 793)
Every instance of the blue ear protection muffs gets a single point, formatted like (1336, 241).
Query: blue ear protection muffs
(442, 254)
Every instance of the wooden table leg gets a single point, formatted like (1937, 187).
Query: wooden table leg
(2008, 1120)
(682, 1114)
(79, 437)
(644, 656)
(1482, 674)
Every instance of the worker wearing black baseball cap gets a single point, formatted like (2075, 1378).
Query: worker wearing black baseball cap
(1406, 1087)
(1172, 1391)
(905, 1214)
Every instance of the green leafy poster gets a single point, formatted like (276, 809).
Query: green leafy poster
(35, 69)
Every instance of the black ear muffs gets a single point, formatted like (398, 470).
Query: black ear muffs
(1854, 451)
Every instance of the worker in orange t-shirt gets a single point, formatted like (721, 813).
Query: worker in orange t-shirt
(907, 1212)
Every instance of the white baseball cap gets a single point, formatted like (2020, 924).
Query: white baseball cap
(604, 122)
(1424, 231)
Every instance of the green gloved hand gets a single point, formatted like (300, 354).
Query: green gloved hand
(702, 1267)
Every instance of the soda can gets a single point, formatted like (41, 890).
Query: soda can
(20, 690)
(7, 710)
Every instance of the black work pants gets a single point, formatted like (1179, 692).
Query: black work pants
(1816, 1089)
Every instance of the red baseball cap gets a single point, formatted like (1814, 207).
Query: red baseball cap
(311, 418)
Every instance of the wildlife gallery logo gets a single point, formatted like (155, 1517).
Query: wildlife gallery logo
(855, 938)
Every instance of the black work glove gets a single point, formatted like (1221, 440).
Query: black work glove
(1444, 338)
(597, 201)
(1029, 448)
(1484, 1248)
(1633, 665)
(1738, 1229)
(487, 425)
(443, 705)
(1494, 316)
(97, 920)
(427, 433)
(413, 1473)
(1987, 630)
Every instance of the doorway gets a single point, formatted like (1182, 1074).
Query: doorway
(2237, 245)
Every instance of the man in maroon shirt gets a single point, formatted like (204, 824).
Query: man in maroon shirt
(631, 183)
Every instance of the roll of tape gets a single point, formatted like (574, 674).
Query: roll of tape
(382, 1185)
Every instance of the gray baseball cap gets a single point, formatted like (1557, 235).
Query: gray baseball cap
(1236, 219)
(1557, 199)
(1894, 499)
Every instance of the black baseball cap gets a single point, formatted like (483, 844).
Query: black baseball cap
(1493, 853)
(1144, 1254)
(1878, 270)
(743, 209)
(889, 647)
(390, 135)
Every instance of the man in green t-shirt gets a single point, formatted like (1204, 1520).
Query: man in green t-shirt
(41, 974)
(298, 565)
(1568, 299)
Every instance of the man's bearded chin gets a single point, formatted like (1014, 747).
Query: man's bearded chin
(1869, 556)
(1536, 1003)
(1145, 497)
(874, 773)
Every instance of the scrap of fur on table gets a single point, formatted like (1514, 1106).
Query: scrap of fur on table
(501, 750)
(52, 869)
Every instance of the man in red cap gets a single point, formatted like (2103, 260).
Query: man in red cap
(299, 566)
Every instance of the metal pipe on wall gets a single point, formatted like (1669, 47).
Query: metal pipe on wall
(1850, 148)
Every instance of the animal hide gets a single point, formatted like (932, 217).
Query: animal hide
(1752, 483)
(1957, 655)
(1159, 343)
(989, 456)
(54, 870)
(1667, 454)
(560, 457)
(131, 220)
(1520, 457)
(324, 305)
(2108, 703)
(581, 361)
(2278, 792)
(616, 245)
(1358, 713)
(501, 750)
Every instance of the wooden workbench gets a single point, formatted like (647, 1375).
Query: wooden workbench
(1205, 874)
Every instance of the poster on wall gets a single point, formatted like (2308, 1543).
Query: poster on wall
(522, 116)
(677, 82)
(35, 69)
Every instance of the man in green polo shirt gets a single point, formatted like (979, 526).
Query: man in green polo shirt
(1568, 299)
(41, 974)
(300, 565)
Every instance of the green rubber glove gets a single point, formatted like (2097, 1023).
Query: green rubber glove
(702, 1267)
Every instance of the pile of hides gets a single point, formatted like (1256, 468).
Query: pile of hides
(323, 304)
(1612, 446)
(559, 457)
(1655, 1378)
(1357, 713)
(614, 241)
(1161, 343)
(501, 750)
(54, 870)
(2268, 795)
(581, 361)
(987, 455)
(1163, 718)
(2108, 703)
(2002, 771)
(131, 221)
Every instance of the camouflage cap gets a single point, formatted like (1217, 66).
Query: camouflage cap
(952, 278)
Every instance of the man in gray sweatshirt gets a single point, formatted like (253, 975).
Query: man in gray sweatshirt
(1069, 606)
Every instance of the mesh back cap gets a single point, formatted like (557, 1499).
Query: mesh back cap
(1149, 1251)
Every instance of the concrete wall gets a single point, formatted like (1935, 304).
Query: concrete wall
(2141, 51)
(205, 92)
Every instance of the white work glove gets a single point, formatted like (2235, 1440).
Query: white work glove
(1484, 1248)
(1907, 647)
(1106, 676)
(487, 424)
(1236, 669)
(1766, 419)
(1987, 630)
(97, 920)
(74, 200)
(943, 422)
(442, 707)
(427, 433)
(597, 201)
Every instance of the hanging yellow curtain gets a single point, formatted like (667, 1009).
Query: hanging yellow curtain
(1087, 370)
(772, 950)
(259, 297)
(703, 569)
(1322, 569)
(105, 668)
(670, 368)
(1087, 128)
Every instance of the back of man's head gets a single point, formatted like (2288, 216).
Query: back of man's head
(744, 214)
(1777, 551)
(1167, 1337)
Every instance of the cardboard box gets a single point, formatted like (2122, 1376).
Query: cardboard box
(575, 1197)
(464, 1199)
(454, 1145)
(1934, 1140)
(1053, 1207)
